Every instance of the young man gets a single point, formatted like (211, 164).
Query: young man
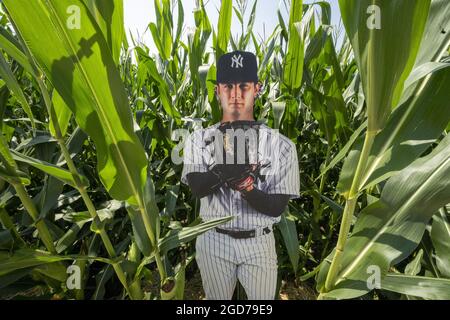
(243, 248)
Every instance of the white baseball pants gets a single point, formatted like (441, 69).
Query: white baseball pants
(223, 259)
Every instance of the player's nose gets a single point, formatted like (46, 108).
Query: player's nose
(236, 91)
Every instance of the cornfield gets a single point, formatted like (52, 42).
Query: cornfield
(91, 204)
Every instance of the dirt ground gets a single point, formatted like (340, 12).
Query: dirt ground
(193, 290)
(288, 291)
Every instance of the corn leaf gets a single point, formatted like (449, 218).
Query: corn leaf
(388, 230)
(414, 125)
(24, 258)
(109, 17)
(8, 167)
(69, 237)
(210, 82)
(156, 38)
(63, 114)
(440, 236)
(162, 30)
(56, 271)
(282, 24)
(413, 268)
(52, 188)
(224, 27)
(289, 232)
(435, 41)
(13, 49)
(177, 236)
(142, 240)
(149, 66)
(384, 52)
(179, 27)
(51, 169)
(436, 38)
(324, 114)
(411, 129)
(326, 12)
(425, 287)
(423, 71)
(79, 65)
(345, 148)
(293, 68)
(7, 75)
(250, 24)
(5, 155)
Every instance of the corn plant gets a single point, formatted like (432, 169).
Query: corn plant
(384, 63)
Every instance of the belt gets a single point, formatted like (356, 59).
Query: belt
(242, 234)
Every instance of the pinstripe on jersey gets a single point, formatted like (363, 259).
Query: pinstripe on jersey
(282, 177)
(222, 260)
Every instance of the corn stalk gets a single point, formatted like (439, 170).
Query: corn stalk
(9, 172)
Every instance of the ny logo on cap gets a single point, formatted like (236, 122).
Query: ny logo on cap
(236, 61)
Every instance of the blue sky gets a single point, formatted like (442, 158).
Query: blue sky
(139, 13)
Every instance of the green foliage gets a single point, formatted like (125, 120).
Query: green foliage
(88, 137)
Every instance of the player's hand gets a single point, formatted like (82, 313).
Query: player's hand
(231, 172)
(235, 169)
(245, 181)
(243, 184)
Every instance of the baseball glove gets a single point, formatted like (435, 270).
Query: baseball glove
(238, 142)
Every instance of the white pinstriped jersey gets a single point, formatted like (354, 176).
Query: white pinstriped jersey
(281, 177)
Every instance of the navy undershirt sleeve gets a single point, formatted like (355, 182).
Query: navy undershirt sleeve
(269, 204)
(203, 183)
(206, 183)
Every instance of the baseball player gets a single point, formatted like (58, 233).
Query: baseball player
(250, 179)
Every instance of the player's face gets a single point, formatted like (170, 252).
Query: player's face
(237, 99)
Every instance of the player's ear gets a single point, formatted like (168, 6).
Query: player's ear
(258, 86)
(216, 89)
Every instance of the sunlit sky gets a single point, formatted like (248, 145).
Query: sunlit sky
(139, 13)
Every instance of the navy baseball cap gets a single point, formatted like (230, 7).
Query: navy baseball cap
(237, 66)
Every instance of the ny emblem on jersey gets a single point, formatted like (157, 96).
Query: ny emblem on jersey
(236, 61)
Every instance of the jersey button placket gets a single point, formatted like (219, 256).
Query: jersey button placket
(236, 200)
(232, 208)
